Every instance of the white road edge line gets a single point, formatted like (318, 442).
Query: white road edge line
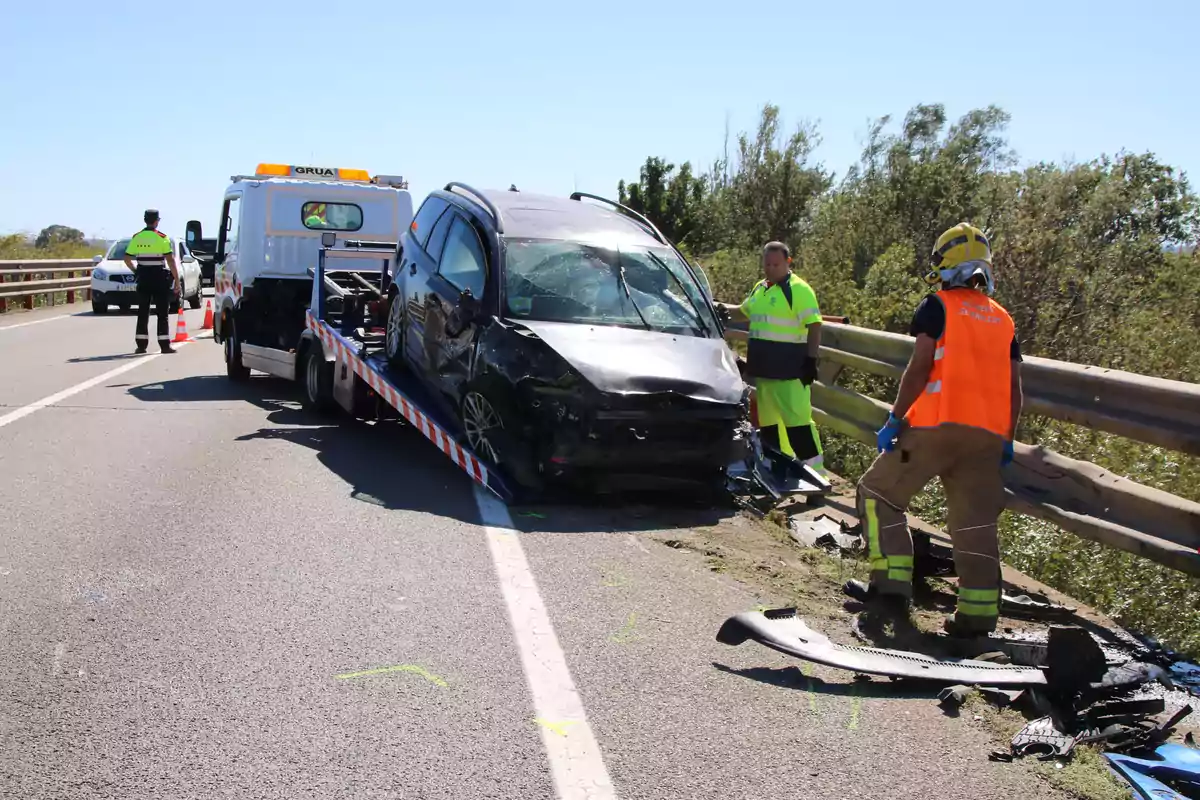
(38, 405)
(576, 763)
(37, 321)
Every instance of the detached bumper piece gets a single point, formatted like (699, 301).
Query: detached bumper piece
(782, 630)
(773, 474)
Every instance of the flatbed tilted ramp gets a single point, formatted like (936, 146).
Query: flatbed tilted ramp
(401, 391)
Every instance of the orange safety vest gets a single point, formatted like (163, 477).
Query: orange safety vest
(970, 383)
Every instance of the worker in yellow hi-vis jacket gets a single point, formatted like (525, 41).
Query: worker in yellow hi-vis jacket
(781, 359)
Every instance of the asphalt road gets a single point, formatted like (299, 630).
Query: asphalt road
(195, 576)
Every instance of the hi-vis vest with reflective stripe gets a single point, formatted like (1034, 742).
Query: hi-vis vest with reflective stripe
(778, 333)
(970, 383)
(149, 247)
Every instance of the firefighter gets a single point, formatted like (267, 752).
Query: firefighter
(781, 357)
(155, 284)
(955, 417)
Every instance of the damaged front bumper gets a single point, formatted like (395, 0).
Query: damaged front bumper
(659, 440)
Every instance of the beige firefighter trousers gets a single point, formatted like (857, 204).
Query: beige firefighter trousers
(968, 462)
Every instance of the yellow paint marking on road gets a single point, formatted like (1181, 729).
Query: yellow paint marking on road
(855, 708)
(806, 670)
(612, 578)
(627, 633)
(413, 668)
(557, 727)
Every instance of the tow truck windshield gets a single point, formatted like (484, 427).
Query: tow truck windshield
(636, 287)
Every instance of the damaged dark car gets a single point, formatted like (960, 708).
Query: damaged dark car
(570, 339)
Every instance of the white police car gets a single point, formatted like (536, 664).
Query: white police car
(114, 285)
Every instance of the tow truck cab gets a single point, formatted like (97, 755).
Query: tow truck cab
(266, 248)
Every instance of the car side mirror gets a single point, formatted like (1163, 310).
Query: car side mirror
(97, 259)
(465, 312)
(194, 232)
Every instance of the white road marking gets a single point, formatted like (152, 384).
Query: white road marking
(58, 397)
(575, 759)
(35, 322)
(60, 650)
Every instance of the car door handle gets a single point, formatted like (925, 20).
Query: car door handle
(412, 268)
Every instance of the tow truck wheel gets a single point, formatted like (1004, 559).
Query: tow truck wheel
(234, 367)
(393, 345)
(99, 308)
(318, 381)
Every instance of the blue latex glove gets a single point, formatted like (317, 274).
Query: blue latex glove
(1007, 458)
(885, 440)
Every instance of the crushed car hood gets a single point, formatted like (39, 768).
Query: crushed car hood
(626, 360)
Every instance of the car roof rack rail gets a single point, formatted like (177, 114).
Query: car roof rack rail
(624, 210)
(452, 185)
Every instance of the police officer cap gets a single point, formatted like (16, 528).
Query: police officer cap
(151, 215)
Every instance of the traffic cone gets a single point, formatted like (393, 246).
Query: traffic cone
(181, 332)
(208, 318)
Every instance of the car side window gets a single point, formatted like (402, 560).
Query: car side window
(426, 218)
(463, 264)
(437, 238)
(231, 226)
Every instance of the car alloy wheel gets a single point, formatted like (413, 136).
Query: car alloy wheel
(395, 329)
(480, 418)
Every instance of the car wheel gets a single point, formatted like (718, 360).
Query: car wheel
(195, 300)
(394, 341)
(483, 426)
(233, 356)
(490, 427)
(318, 380)
(99, 308)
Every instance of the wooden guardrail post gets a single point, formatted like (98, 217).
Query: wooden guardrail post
(28, 297)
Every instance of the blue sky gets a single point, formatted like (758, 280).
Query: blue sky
(116, 106)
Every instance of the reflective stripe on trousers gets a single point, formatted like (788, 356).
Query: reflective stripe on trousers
(979, 602)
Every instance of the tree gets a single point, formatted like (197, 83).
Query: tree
(58, 235)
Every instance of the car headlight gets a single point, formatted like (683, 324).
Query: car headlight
(99, 274)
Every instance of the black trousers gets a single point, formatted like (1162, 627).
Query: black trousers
(800, 438)
(156, 291)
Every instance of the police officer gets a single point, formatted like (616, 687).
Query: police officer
(781, 357)
(155, 284)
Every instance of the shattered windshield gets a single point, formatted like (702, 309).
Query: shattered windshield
(636, 287)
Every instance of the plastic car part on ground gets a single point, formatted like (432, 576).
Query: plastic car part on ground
(824, 532)
(782, 630)
(1043, 740)
(762, 479)
(1172, 774)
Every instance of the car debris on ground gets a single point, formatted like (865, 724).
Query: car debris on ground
(1076, 681)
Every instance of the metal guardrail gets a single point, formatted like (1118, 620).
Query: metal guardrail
(32, 278)
(1077, 496)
